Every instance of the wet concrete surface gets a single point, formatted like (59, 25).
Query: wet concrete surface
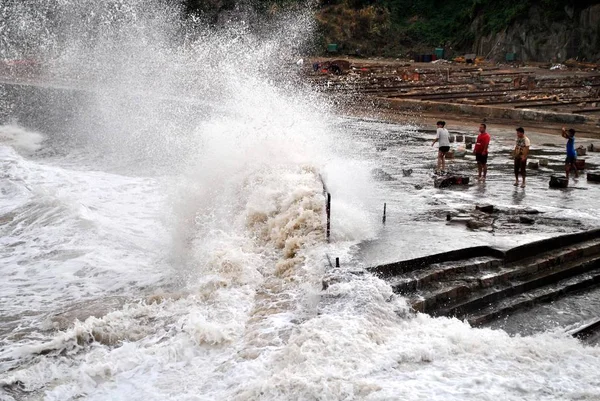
(416, 211)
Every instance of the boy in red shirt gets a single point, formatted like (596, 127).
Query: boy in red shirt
(481, 152)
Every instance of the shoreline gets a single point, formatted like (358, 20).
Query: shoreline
(538, 132)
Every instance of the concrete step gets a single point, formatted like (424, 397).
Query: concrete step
(538, 295)
(442, 272)
(432, 292)
(491, 296)
(554, 260)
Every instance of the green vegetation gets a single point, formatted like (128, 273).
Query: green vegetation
(392, 27)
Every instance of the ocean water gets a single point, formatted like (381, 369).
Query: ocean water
(162, 231)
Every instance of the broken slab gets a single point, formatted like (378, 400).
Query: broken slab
(558, 182)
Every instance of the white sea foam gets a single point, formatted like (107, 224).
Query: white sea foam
(20, 139)
(68, 236)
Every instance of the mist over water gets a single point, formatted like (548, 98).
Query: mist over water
(166, 240)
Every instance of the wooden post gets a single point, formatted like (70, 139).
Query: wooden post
(337, 262)
(328, 211)
(384, 210)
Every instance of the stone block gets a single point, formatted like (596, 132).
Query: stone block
(581, 151)
(543, 162)
(485, 208)
(580, 164)
(593, 177)
(534, 165)
(469, 139)
(459, 138)
(558, 182)
(469, 145)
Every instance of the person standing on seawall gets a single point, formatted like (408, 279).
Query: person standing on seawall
(481, 152)
(521, 151)
(571, 152)
(443, 137)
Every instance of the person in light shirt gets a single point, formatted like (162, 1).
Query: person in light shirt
(443, 138)
(520, 153)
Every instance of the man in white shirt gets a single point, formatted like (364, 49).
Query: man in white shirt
(443, 137)
(521, 152)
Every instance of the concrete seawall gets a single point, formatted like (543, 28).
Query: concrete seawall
(482, 111)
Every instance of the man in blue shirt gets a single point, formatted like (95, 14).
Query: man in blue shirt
(571, 152)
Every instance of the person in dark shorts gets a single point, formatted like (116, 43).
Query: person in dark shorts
(481, 152)
(571, 152)
(443, 137)
(520, 153)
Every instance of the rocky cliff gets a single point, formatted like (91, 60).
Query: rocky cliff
(538, 38)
